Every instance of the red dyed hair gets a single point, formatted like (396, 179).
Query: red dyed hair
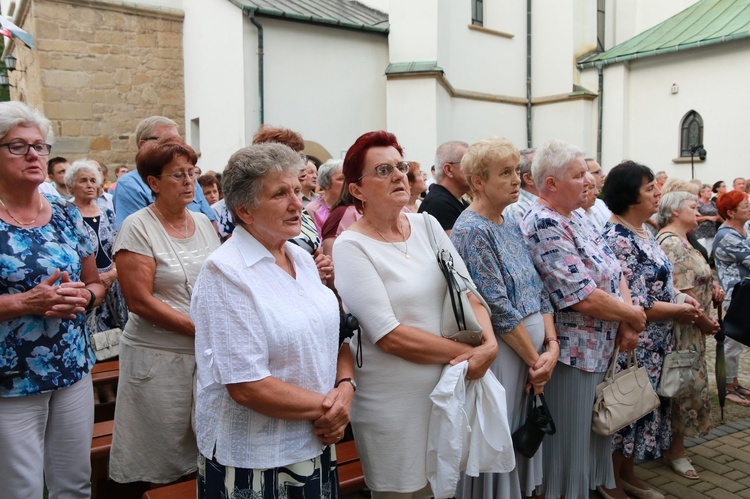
(155, 155)
(354, 161)
(729, 201)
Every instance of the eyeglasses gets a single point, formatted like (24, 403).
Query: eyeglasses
(304, 159)
(180, 176)
(22, 148)
(385, 170)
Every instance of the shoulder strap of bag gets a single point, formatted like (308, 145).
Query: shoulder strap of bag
(664, 235)
(431, 234)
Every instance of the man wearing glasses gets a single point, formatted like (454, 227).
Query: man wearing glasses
(132, 193)
(444, 200)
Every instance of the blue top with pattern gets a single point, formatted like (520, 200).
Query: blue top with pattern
(500, 265)
(47, 353)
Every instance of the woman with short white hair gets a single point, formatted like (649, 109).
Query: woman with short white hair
(593, 312)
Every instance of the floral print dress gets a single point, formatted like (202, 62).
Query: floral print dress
(691, 415)
(648, 272)
(39, 355)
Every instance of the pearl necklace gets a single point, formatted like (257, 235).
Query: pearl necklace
(185, 235)
(642, 233)
(406, 251)
(41, 207)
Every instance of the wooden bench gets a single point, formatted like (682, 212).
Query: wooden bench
(351, 478)
(106, 372)
(100, 445)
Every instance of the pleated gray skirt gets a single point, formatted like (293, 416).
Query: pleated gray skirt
(575, 459)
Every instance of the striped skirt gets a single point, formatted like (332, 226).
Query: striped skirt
(311, 479)
(575, 458)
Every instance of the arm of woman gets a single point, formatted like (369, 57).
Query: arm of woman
(541, 371)
(605, 307)
(485, 353)
(137, 283)
(685, 313)
(338, 401)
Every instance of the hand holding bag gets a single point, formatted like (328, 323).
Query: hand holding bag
(458, 321)
(622, 398)
(680, 372)
(528, 437)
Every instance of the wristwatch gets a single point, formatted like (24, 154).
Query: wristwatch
(348, 380)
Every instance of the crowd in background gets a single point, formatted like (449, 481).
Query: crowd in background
(230, 289)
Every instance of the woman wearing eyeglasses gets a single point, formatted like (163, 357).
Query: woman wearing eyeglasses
(388, 277)
(159, 252)
(48, 279)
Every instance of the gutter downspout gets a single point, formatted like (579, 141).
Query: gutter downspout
(261, 89)
(528, 74)
(600, 67)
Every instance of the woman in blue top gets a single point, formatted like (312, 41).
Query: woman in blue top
(48, 279)
(501, 266)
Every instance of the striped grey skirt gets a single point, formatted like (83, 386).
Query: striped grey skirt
(575, 459)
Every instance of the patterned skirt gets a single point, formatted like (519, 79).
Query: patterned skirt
(311, 479)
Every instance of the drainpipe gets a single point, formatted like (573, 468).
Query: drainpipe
(528, 73)
(600, 67)
(261, 89)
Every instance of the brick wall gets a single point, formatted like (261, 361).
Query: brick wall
(98, 69)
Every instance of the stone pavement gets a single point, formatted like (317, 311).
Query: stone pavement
(722, 459)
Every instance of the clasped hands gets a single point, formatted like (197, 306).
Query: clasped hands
(331, 425)
(63, 301)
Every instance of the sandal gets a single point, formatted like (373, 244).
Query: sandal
(682, 466)
(742, 390)
(740, 399)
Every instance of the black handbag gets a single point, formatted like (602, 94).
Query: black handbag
(528, 437)
(736, 324)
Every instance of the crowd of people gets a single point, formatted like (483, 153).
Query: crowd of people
(230, 291)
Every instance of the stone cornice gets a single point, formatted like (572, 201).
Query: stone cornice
(128, 8)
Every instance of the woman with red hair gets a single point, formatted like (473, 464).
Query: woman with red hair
(387, 276)
(732, 258)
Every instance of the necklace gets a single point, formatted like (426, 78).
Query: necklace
(638, 232)
(41, 207)
(185, 235)
(406, 245)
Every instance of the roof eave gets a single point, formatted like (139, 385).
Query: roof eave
(605, 61)
(318, 21)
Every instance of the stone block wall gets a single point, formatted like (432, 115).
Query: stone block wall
(99, 68)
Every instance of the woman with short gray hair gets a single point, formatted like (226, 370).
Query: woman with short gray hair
(270, 371)
(331, 180)
(691, 414)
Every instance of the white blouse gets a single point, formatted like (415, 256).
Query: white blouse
(253, 320)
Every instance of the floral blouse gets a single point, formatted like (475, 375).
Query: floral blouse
(648, 272)
(732, 259)
(574, 260)
(39, 355)
(501, 267)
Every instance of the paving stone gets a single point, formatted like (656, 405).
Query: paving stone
(651, 464)
(659, 480)
(744, 481)
(720, 481)
(736, 474)
(735, 453)
(702, 486)
(710, 464)
(744, 493)
(682, 492)
(706, 452)
(721, 494)
(645, 474)
(712, 443)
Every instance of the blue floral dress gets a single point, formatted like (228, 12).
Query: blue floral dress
(39, 355)
(648, 272)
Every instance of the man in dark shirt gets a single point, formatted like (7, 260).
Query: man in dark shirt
(444, 199)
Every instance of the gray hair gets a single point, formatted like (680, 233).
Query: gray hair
(147, 127)
(448, 152)
(526, 163)
(553, 160)
(242, 179)
(81, 165)
(14, 114)
(672, 202)
(327, 170)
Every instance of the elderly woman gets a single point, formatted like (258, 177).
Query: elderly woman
(417, 186)
(211, 188)
(159, 252)
(330, 179)
(632, 196)
(387, 276)
(82, 179)
(691, 414)
(267, 344)
(48, 279)
(500, 264)
(593, 312)
(732, 258)
(707, 219)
